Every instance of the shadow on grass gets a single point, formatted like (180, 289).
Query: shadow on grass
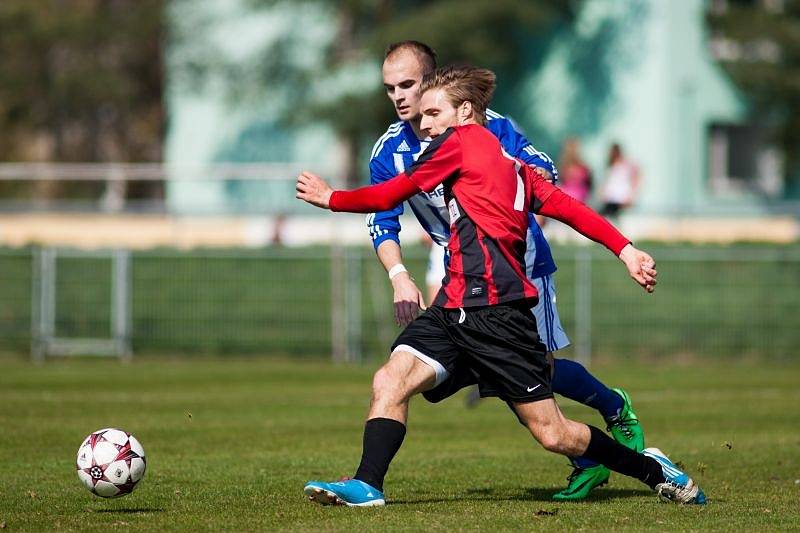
(130, 510)
(529, 494)
(596, 495)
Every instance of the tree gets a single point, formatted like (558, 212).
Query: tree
(760, 48)
(490, 34)
(81, 80)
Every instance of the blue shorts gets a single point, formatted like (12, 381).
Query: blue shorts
(548, 322)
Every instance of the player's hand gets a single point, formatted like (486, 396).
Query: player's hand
(543, 172)
(314, 190)
(641, 267)
(408, 300)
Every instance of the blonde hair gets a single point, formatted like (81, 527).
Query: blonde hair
(464, 84)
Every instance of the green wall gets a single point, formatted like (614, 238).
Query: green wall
(637, 72)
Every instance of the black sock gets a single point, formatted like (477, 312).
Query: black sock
(606, 451)
(382, 439)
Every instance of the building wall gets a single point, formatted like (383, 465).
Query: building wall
(236, 109)
(637, 72)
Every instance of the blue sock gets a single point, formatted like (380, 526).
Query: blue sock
(573, 381)
(582, 462)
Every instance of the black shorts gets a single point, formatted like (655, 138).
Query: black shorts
(496, 347)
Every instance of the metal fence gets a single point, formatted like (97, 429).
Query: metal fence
(711, 301)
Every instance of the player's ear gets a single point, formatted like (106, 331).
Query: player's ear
(465, 111)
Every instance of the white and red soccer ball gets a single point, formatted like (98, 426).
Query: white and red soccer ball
(111, 462)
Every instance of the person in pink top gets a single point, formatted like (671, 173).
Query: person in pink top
(576, 177)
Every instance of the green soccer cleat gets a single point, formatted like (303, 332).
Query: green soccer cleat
(582, 481)
(625, 427)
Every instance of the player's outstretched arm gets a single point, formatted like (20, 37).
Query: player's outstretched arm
(550, 201)
(381, 197)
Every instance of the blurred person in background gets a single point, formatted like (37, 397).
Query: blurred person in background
(621, 183)
(278, 230)
(576, 177)
(404, 66)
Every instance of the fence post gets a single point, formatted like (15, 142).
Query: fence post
(121, 303)
(583, 305)
(37, 349)
(44, 302)
(338, 310)
(353, 304)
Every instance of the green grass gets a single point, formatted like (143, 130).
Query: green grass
(231, 442)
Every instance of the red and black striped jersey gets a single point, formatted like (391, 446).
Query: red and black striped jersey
(488, 204)
(489, 195)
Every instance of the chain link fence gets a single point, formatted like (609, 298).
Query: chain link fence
(322, 301)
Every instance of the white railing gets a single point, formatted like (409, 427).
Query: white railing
(148, 171)
(228, 187)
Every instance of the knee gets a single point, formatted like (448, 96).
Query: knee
(381, 382)
(388, 384)
(551, 437)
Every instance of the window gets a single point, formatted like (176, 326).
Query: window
(742, 161)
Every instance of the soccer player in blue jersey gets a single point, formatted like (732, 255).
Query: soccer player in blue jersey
(395, 151)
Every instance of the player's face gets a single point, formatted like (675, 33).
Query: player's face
(438, 113)
(402, 74)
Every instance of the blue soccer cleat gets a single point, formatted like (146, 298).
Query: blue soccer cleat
(350, 492)
(679, 487)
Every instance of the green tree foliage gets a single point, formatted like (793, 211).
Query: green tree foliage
(766, 65)
(81, 78)
(492, 34)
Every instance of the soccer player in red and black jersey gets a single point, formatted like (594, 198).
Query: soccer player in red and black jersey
(481, 317)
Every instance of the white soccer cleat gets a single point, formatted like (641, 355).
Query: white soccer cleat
(678, 487)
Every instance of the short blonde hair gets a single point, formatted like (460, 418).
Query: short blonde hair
(464, 84)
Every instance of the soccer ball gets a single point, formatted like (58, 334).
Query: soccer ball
(111, 462)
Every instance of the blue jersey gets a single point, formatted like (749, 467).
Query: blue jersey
(398, 148)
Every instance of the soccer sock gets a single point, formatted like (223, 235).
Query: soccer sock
(573, 381)
(382, 439)
(582, 462)
(605, 450)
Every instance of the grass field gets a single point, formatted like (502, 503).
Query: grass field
(231, 442)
